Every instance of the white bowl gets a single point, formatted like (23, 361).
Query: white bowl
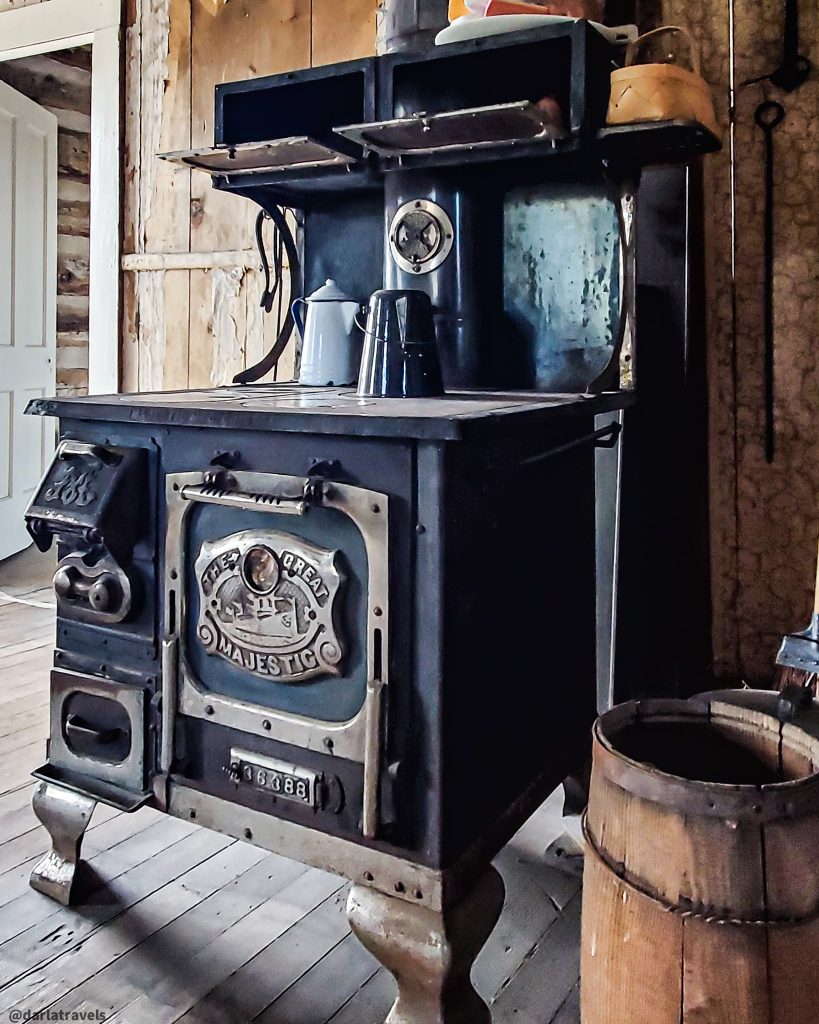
(473, 26)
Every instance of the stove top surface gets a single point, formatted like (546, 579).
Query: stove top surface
(328, 410)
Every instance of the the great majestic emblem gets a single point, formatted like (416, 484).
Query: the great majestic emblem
(266, 604)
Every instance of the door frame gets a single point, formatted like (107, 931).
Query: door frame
(58, 25)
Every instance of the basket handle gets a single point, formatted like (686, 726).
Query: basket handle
(696, 55)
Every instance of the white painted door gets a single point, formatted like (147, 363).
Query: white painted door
(28, 303)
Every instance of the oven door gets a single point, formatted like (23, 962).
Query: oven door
(276, 614)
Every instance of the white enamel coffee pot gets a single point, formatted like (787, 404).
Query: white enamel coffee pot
(331, 349)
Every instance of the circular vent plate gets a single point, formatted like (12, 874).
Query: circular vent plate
(421, 236)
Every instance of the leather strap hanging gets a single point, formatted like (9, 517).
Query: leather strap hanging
(286, 240)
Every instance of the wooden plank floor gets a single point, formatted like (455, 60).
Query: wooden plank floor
(186, 925)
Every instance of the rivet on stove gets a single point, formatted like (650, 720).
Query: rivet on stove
(420, 528)
(376, 509)
(418, 894)
(248, 834)
(266, 725)
(209, 709)
(193, 813)
(400, 887)
(328, 743)
(377, 612)
(369, 876)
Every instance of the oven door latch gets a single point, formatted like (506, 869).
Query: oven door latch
(221, 488)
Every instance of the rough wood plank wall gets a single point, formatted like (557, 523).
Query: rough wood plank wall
(61, 82)
(185, 324)
(764, 519)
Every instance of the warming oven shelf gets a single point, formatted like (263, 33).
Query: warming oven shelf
(503, 124)
(299, 152)
(628, 147)
(656, 142)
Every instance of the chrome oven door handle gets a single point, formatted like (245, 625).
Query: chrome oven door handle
(294, 505)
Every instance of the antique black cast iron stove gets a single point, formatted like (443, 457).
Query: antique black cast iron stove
(337, 619)
(368, 633)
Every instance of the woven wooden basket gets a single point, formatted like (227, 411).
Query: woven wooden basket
(661, 92)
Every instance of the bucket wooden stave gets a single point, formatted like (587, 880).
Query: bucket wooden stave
(701, 898)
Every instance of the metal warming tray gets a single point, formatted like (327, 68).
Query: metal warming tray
(476, 127)
(298, 151)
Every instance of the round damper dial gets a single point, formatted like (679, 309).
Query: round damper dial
(421, 236)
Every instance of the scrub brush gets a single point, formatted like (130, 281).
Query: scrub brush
(799, 658)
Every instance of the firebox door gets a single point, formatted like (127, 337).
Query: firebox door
(277, 614)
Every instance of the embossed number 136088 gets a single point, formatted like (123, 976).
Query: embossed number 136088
(290, 787)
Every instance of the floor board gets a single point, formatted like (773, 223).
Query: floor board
(183, 925)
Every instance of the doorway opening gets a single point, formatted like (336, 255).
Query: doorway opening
(60, 153)
(60, 82)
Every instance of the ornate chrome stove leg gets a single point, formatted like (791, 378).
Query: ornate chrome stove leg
(66, 816)
(430, 954)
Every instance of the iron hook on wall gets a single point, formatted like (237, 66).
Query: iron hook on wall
(795, 68)
(793, 72)
(769, 116)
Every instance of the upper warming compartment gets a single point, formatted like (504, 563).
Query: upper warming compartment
(532, 93)
(280, 129)
(533, 99)
(310, 102)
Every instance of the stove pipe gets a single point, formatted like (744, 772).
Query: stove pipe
(409, 24)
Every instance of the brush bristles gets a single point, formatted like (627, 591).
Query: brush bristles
(786, 677)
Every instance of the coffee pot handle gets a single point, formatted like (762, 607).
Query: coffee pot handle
(299, 319)
(358, 323)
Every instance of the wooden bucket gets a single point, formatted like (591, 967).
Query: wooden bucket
(701, 888)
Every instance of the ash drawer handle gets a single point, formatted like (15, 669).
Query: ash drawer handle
(80, 729)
